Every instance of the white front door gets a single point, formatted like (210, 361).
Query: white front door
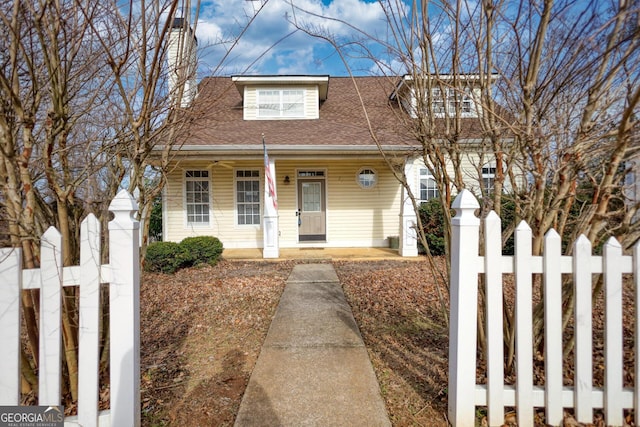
(311, 210)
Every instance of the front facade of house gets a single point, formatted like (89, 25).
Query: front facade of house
(332, 188)
(334, 147)
(320, 202)
(331, 185)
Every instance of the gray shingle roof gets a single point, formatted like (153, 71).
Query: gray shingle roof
(343, 123)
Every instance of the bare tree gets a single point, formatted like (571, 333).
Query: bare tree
(48, 80)
(89, 105)
(556, 85)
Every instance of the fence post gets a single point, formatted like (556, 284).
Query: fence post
(464, 308)
(124, 303)
(11, 282)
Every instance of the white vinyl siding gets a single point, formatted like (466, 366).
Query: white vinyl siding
(248, 197)
(223, 214)
(289, 102)
(197, 197)
(356, 217)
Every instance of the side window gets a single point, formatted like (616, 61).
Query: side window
(248, 197)
(428, 187)
(488, 178)
(197, 196)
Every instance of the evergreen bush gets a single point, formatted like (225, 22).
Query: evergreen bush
(166, 257)
(432, 217)
(203, 249)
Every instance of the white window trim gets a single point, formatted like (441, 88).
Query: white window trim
(281, 115)
(259, 178)
(189, 224)
(375, 174)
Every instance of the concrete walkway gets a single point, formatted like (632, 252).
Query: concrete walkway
(313, 369)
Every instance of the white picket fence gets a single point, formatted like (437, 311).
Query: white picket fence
(122, 273)
(466, 266)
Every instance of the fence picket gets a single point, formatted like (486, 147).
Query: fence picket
(123, 276)
(49, 377)
(612, 261)
(10, 285)
(583, 397)
(583, 379)
(495, 340)
(524, 321)
(553, 328)
(89, 331)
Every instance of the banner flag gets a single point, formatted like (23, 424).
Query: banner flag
(268, 177)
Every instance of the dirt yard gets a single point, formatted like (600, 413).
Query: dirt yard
(202, 330)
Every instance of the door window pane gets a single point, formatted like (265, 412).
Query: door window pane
(311, 197)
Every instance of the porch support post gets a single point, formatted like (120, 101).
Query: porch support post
(270, 228)
(408, 245)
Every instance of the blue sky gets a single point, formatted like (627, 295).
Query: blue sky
(271, 44)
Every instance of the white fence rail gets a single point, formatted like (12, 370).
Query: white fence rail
(123, 276)
(466, 267)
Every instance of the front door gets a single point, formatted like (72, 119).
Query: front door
(311, 210)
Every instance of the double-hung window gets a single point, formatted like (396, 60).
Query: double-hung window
(489, 178)
(248, 197)
(197, 197)
(428, 187)
(449, 100)
(280, 103)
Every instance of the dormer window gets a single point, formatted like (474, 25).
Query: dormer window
(451, 101)
(282, 97)
(448, 97)
(281, 103)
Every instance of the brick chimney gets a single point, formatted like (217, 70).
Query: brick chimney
(182, 62)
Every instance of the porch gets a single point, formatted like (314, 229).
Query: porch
(352, 254)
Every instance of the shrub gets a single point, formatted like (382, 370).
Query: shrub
(432, 216)
(202, 249)
(166, 257)
(155, 221)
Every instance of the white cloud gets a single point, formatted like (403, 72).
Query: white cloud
(268, 46)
